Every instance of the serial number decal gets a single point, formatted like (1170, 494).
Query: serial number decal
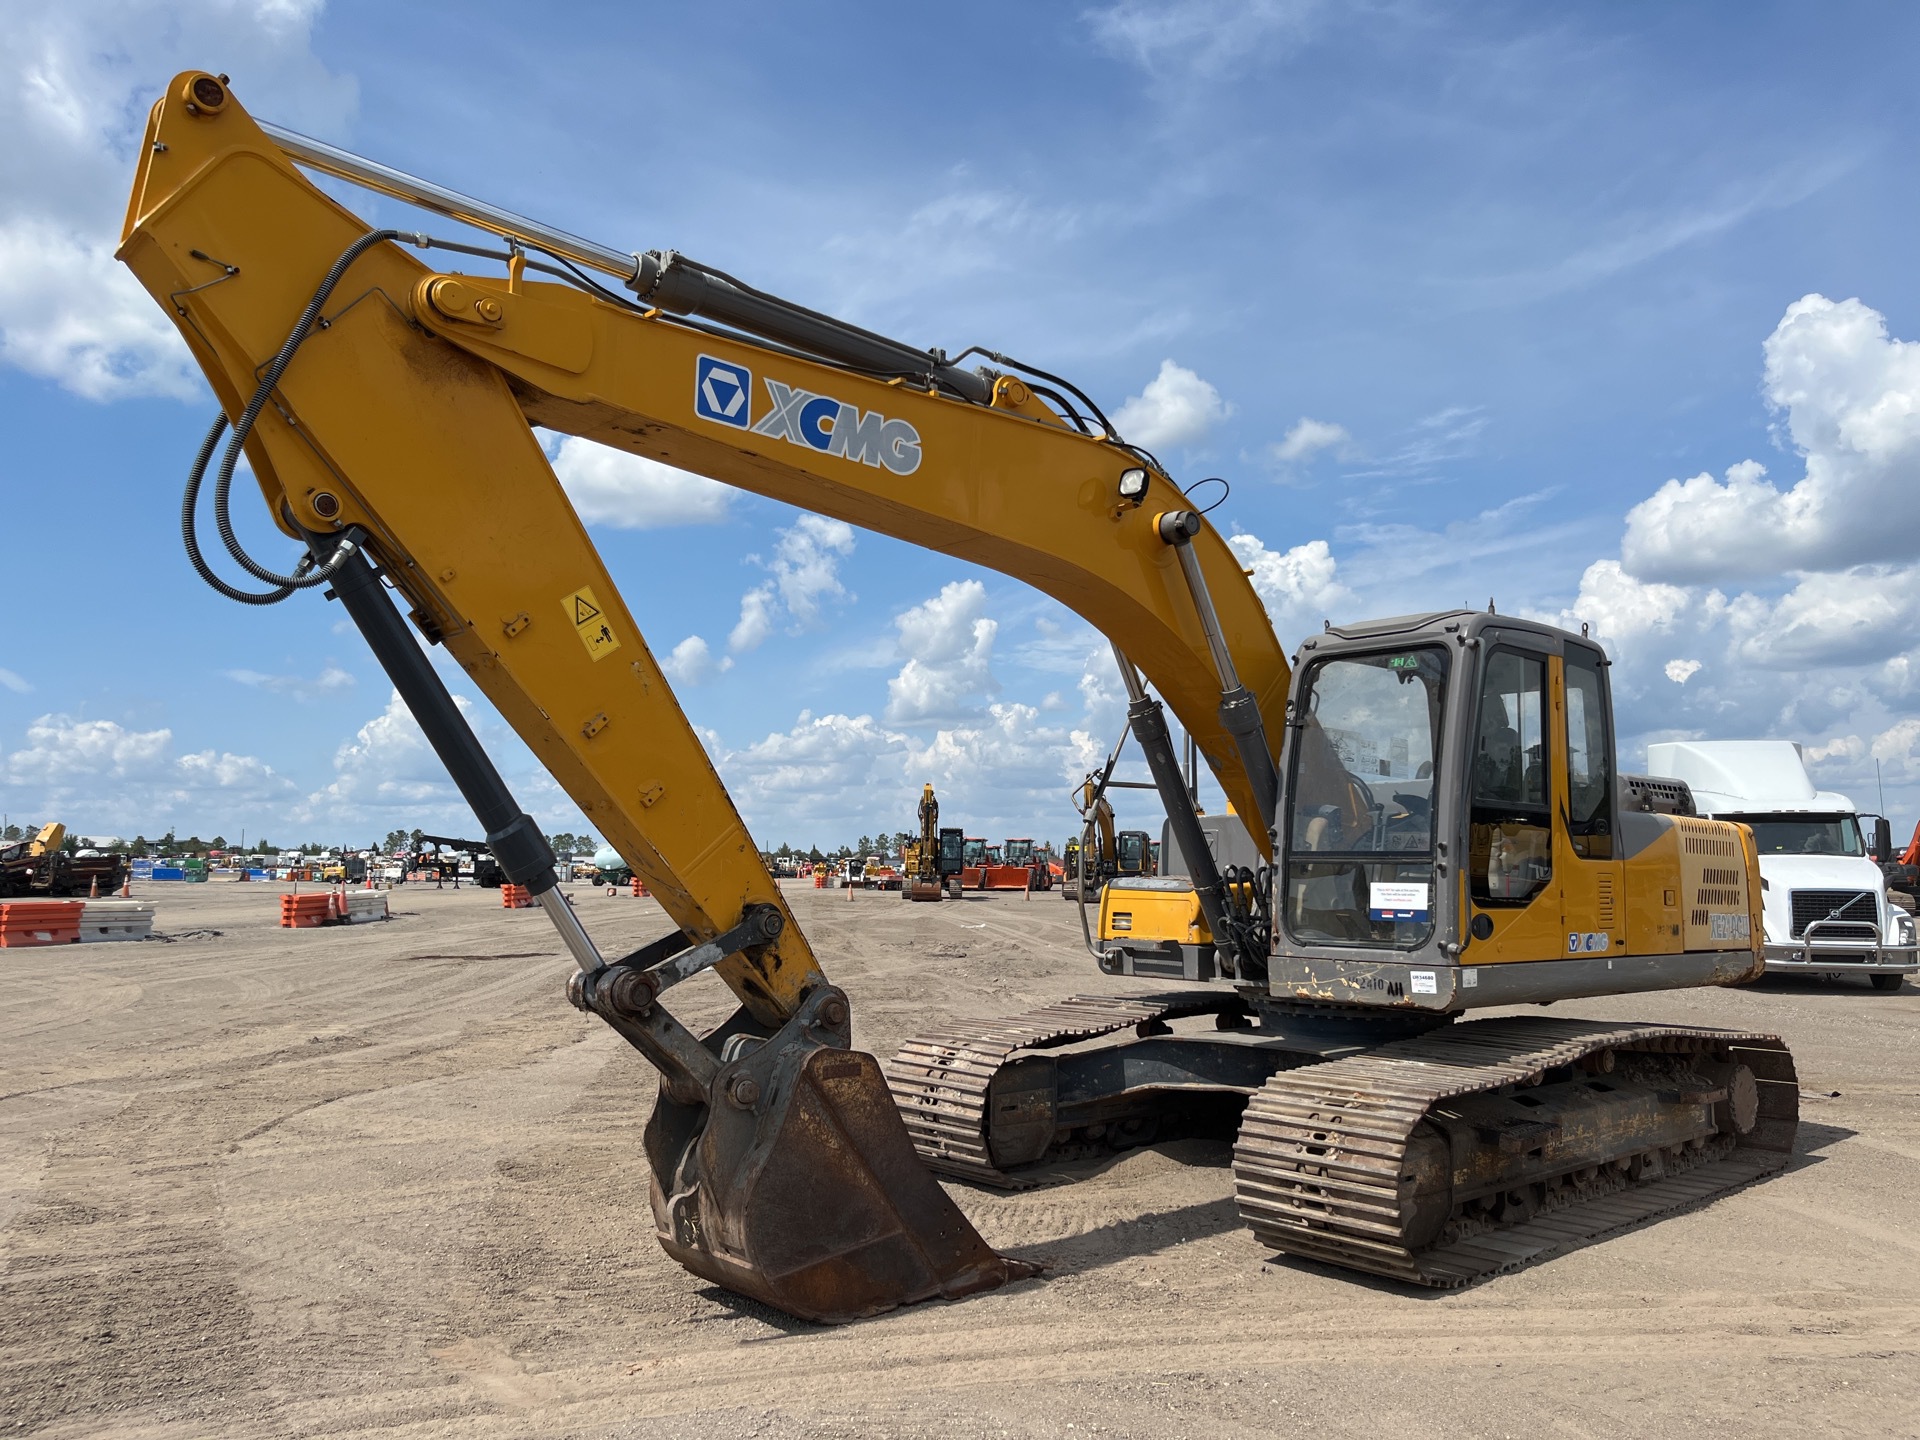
(1730, 927)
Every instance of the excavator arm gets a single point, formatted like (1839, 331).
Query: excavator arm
(388, 410)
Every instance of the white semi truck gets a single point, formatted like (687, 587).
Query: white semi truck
(1825, 899)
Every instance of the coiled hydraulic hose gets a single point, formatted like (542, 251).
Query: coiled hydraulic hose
(306, 574)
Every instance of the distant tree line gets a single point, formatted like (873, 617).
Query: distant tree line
(889, 844)
(396, 842)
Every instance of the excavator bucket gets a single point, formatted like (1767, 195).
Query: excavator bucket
(795, 1182)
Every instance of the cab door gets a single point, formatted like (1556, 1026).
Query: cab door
(1588, 862)
(1514, 780)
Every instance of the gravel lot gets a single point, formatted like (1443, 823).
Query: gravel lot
(384, 1181)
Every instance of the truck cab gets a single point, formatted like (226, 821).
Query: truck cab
(1824, 896)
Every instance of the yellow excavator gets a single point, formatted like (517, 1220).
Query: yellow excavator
(1102, 853)
(1439, 822)
(932, 859)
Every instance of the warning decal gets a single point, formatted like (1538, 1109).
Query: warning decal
(589, 624)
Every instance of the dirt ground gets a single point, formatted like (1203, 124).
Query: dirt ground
(385, 1181)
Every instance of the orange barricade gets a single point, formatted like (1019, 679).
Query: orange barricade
(639, 888)
(515, 897)
(40, 922)
(306, 912)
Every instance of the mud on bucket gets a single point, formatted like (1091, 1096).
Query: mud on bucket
(796, 1183)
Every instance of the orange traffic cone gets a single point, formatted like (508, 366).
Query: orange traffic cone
(93, 890)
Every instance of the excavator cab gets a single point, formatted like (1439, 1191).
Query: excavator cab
(1453, 832)
(952, 848)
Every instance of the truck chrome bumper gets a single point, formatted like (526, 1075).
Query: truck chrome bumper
(1854, 956)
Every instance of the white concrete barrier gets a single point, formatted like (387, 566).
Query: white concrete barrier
(366, 905)
(115, 920)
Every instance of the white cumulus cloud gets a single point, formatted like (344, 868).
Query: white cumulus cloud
(692, 663)
(1681, 671)
(805, 574)
(1898, 746)
(82, 74)
(99, 776)
(1300, 587)
(757, 614)
(1177, 407)
(1849, 397)
(1309, 437)
(386, 768)
(631, 492)
(948, 644)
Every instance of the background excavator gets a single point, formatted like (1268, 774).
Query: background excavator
(1439, 823)
(1101, 853)
(932, 859)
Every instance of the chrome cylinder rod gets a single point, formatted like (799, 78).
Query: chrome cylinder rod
(345, 165)
(572, 933)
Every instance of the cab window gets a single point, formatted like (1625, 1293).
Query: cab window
(1511, 824)
(1589, 759)
(1360, 832)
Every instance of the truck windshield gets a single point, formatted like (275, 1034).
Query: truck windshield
(1803, 834)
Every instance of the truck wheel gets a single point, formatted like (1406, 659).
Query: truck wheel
(1887, 982)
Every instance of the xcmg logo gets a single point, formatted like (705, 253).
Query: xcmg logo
(723, 393)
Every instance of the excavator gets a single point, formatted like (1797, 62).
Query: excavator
(1100, 853)
(932, 860)
(1440, 821)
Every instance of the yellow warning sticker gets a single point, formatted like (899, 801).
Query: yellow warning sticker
(589, 624)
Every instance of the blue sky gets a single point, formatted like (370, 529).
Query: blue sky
(1464, 301)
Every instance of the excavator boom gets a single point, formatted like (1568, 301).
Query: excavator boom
(388, 412)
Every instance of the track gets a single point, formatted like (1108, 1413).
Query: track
(942, 1080)
(1321, 1165)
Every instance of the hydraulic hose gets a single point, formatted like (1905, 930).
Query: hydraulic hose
(223, 481)
(190, 502)
(306, 574)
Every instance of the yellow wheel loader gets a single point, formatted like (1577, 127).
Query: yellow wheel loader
(1439, 820)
